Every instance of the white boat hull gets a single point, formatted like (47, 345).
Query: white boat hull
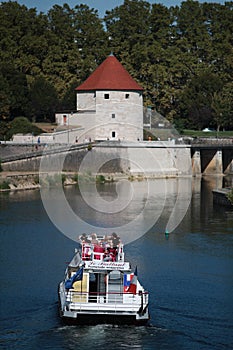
(95, 313)
(99, 290)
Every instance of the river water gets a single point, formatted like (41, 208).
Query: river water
(189, 272)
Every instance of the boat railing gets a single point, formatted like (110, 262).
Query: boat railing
(107, 298)
(98, 252)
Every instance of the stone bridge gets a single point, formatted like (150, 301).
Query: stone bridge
(149, 159)
(168, 159)
(212, 157)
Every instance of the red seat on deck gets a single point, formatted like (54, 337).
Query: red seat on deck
(98, 252)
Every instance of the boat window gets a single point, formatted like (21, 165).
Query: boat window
(92, 277)
(115, 275)
(115, 287)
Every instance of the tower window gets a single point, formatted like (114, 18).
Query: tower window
(106, 96)
(113, 115)
(113, 134)
(126, 96)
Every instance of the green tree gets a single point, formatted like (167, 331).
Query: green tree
(91, 39)
(219, 23)
(63, 58)
(161, 24)
(196, 100)
(128, 26)
(4, 126)
(69, 100)
(5, 102)
(192, 33)
(23, 40)
(21, 125)
(165, 49)
(16, 92)
(78, 45)
(222, 104)
(44, 100)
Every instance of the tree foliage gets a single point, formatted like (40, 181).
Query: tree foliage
(42, 90)
(21, 125)
(182, 56)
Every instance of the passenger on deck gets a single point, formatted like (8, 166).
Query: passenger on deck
(83, 238)
(113, 255)
(115, 240)
(113, 252)
(107, 255)
(98, 251)
(94, 239)
(106, 241)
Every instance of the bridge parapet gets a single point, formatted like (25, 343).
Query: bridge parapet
(209, 141)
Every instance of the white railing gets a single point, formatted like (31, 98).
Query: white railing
(107, 298)
(92, 252)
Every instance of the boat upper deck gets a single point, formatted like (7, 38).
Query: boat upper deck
(103, 252)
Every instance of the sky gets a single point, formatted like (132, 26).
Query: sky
(100, 5)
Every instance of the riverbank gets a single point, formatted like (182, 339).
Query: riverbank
(221, 197)
(19, 181)
(16, 181)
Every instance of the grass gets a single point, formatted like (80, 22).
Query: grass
(230, 196)
(4, 185)
(220, 134)
(100, 179)
(164, 134)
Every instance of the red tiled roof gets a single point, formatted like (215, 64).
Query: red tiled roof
(110, 75)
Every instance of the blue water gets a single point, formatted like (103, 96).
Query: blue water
(189, 276)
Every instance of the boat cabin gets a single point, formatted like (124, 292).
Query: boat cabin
(106, 276)
(98, 281)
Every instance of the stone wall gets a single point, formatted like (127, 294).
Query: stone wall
(134, 159)
(8, 150)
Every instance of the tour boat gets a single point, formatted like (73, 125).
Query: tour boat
(100, 287)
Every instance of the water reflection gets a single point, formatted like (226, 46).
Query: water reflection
(129, 208)
(188, 275)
